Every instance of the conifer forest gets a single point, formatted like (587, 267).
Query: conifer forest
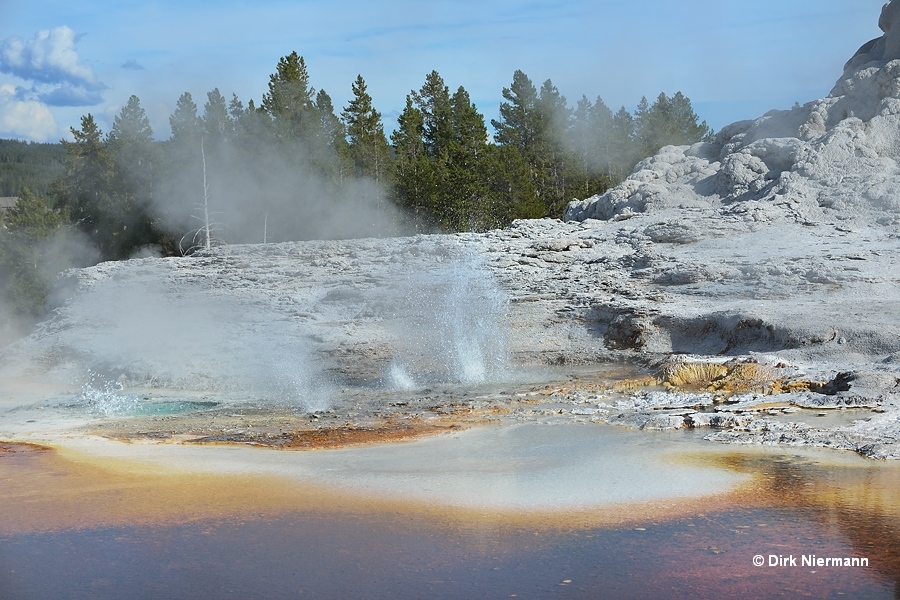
(293, 166)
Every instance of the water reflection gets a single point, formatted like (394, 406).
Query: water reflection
(824, 503)
(365, 555)
(841, 491)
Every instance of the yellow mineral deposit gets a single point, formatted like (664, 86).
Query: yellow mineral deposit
(733, 377)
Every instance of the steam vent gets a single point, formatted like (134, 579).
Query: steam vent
(687, 387)
(747, 285)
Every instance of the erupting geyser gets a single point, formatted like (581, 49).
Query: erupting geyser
(452, 328)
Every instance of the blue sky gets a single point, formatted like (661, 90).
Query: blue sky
(61, 59)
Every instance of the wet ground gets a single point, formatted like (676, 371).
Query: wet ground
(370, 412)
(354, 550)
(78, 528)
(316, 555)
(500, 491)
(361, 413)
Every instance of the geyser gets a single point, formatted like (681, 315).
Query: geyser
(450, 326)
(429, 309)
(123, 334)
(106, 397)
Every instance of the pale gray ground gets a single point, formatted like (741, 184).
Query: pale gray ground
(777, 242)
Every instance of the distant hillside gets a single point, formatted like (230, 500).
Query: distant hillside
(31, 165)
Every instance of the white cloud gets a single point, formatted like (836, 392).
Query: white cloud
(25, 118)
(49, 57)
(51, 63)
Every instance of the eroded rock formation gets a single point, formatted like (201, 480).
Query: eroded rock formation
(833, 159)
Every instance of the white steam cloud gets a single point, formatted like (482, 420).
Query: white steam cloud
(272, 198)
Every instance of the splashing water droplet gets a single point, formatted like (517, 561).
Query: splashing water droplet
(398, 378)
(105, 397)
(451, 327)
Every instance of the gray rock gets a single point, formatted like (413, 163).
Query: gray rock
(776, 241)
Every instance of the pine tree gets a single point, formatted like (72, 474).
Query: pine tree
(624, 147)
(368, 147)
(518, 125)
(413, 169)
(327, 140)
(236, 108)
(29, 258)
(290, 99)
(184, 121)
(84, 189)
(534, 123)
(433, 102)
(251, 128)
(181, 165)
(212, 160)
(589, 139)
(553, 164)
(668, 121)
(510, 188)
(464, 200)
(126, 221)
(131, 142)
(601, 126)
(422, 145)
(131, 125)
(469, 134)
(217, 124)
(582, 142)
(440, 149)
(689, 131)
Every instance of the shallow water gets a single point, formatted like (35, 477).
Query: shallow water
(544, 508)
(208, 537)
(321, 555)
(529, 466)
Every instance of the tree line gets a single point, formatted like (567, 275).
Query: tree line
(29, 165)
(439, 166)
(283, 168)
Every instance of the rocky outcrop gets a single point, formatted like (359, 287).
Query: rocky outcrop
(833, 159)
(774, 244)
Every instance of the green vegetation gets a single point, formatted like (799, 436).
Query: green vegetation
(290, 168)
(29, 165)
(265, 169)
(367, 146)
(24, 254)
(441, 150)
(36, 244)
